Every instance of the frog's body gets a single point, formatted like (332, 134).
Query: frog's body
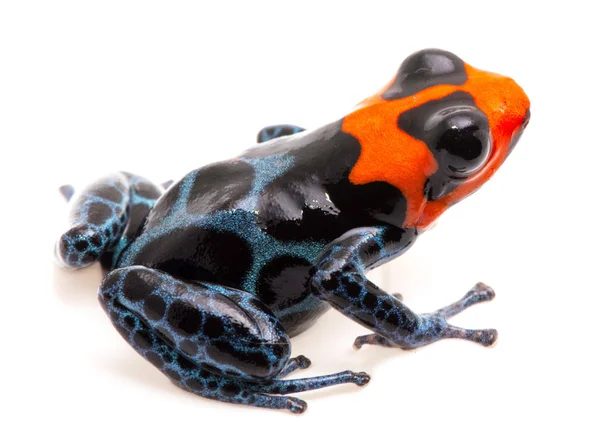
(278, 206)
(209, 279)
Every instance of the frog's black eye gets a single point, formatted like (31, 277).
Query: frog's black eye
(463, 144)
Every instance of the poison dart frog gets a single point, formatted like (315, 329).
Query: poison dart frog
(210, 277)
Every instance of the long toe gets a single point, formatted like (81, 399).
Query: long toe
(485, 291)
(303, 362)
(296, 405)
(487, 337)
(361, 378)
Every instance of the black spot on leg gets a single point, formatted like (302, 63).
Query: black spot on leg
(109, 193)
(185, 363)
(129, 321)
(96, 240)
(331, 283)
(352, 288)
(213, 327)
(184, 318)
(154, 307)
(230, 389)
(370, 301)
(98, 213)
(81, 245)
(138, 285)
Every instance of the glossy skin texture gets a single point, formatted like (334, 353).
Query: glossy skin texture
(209, 279)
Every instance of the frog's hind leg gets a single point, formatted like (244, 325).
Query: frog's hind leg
(101, 214)
(214, 341)
(277, 131)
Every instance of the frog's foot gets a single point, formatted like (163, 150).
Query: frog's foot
(214, 341)
(101, 214)
(434, 325)
(277, 131)
(339, 279)
(293, 364)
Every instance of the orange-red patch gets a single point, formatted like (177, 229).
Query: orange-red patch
(389, 154)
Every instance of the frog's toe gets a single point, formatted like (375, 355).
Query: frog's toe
(361, 378)
(485, 337)
(303, 362)
(296, 405)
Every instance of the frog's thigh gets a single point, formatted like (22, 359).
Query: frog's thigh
(215, 327)
(214, 341)
(180, 326)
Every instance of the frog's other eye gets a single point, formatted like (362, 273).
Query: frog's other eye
(462, 142)
(424, 69)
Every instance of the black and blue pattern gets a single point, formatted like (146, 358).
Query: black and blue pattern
(209, 279)
(340, 280)
(210, 340)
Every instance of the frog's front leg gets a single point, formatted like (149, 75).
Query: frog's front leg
(339, 279)
(214, 341)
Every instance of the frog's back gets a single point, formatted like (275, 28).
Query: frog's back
(211, 226)
(259, 222)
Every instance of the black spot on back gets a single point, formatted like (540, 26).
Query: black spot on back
(285, 277)
(200, 254)
(219, 186)
(424, 69)
(316, 201)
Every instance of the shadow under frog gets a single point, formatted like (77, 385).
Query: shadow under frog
(210, 278)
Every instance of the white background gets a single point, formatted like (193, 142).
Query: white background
(159, 88)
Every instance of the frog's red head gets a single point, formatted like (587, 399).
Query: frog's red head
(437, 131)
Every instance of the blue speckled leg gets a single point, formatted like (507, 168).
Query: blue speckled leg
(277, 131)
(211, 340)
(339, 279)
(104, 217)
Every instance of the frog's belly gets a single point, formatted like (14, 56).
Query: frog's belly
(274, 271)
